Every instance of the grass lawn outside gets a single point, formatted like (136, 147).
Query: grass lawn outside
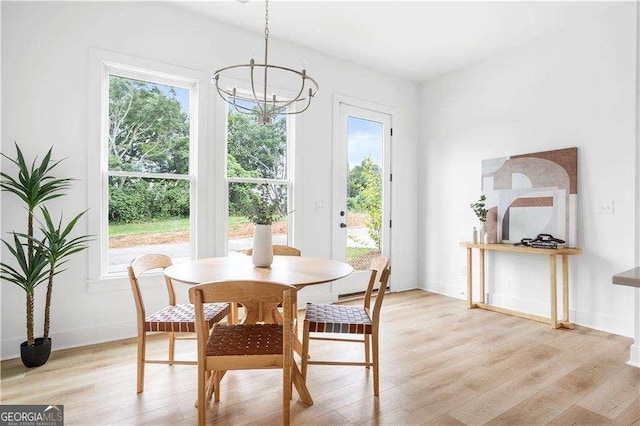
(149, 227)
(356, 252)
(360, 257)
(163, 225)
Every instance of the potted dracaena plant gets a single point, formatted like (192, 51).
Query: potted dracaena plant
(38, 259)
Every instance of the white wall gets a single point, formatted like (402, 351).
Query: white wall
(45, 62)
(572, 88)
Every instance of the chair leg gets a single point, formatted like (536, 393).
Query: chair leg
(202, 405)
(141, 358)
(376, 364)
(305, 349)
(367, 348)
(172, 347)
(296, 324)
(216, 385)
(293, 361)
(286, 391)
(210, 385)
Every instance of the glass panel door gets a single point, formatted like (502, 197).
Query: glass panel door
(361, 193)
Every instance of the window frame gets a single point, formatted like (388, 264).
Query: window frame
(289, 182)
(103, 64)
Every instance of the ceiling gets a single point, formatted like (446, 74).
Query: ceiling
(415, 40)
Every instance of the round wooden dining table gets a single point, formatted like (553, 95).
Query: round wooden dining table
(299, 271)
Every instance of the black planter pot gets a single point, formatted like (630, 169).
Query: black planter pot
(36, 355)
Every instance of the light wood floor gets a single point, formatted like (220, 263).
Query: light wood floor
(441, 364)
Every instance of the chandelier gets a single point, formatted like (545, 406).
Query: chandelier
(267, 105)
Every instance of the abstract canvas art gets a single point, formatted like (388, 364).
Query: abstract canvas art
(532, 194)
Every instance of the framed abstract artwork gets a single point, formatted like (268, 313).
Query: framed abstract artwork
(532, 194)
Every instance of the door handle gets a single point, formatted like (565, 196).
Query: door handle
(343, 225)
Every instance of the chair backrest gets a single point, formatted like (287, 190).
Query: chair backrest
(248, 293)
(280, 250)
(378, 264)
(141, 265)
(384, 281)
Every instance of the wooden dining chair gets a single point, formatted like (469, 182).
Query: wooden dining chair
(280, 250)
(243, 346)
(174, 318)
(350, 320)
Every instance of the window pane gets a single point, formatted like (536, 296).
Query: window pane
(245, 200)
(256, 150)
(147, 216)
(148, 127)
(364, 192)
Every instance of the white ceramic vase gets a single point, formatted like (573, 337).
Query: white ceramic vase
(262, 246)
(481, 232)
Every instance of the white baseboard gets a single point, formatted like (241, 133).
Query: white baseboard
(402, 290)
(75, 338)
(128, 329)
(445, 289)
(634, 355)
(619, 326)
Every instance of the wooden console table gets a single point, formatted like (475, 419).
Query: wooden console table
(552, 253)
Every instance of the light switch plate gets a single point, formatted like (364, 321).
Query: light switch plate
(605, 207)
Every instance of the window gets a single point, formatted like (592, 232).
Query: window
(143, 160)
(258, 168)
(148, 183)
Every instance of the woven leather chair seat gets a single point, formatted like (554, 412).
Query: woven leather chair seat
(182, 318)
(363, 320)
(254, 339)
(338, 319)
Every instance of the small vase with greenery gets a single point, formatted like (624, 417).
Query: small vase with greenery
(263, 210)
(38, 259)
(263, 213)
(481, 213)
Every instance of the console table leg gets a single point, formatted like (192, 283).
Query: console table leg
(469, 279)
(565, 288)
(565, 293)
(554, 293)
(482, 269)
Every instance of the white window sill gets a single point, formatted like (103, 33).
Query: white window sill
(121, 283)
